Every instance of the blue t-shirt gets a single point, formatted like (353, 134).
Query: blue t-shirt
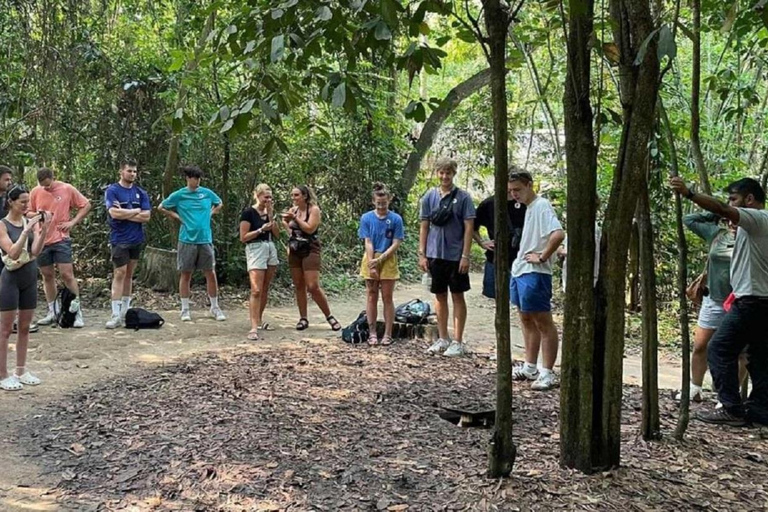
(447, 242)
(382, 232)
(194, 208)
(126, 232)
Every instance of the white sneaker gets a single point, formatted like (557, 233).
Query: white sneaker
(545, 382)
(114, 322)
(456, 349)
(186, 316)
(218, 314)
(439, 346)
(47, 319)
(74, 306)
(520, 372)
(79, 323)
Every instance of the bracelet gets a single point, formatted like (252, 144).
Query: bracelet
(464, 257)
(689, 195)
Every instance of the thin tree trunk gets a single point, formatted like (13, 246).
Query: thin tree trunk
(698, 156)
(501, 450)
(633, 300)
(580, 422)
(651, 424)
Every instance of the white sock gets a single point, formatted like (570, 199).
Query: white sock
(126, 303)
(695, 389)
(545, 372)
(214, 302)
(530, 367)
(51, 306)
(185, 304)
(116, 307)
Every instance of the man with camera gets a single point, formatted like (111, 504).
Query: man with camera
(445, 239)
(56, 198)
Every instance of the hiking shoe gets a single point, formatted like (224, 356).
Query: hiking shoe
(74, 306)
(218, 314)
(33, 327)
(186, 316)
(520, 372)
(455, 349)
(79, 322)
(439, 346)
(721, 417)
(545, 382)
(114, 322)
(47, 319)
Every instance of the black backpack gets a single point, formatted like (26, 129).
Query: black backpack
(412, 312)
(356, 332)
(65, 318)
(138, 318)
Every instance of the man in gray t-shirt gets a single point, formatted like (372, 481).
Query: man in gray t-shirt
(743, 326)
(444, 246)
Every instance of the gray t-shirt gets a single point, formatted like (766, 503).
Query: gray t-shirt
(749, 267)
(446, 242)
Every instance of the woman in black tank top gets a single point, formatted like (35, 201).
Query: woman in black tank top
(21, 241)
(302, 222)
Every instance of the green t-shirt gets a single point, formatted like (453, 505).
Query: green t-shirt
(721, 242)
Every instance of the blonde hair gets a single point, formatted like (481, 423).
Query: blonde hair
(446, 164)
(260, 189)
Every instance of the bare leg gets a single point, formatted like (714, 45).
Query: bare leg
(128, 279)
(549, 340)
(459, 316)
(67, 273)
(257, 278)
(118, 282)
(372, 304)
(442, 311)
(312, 278)
(211, 285)
(184, 279)
(268, 277)
(300, 287)
(531, 337)
(49, 282)
(6, 325)
(699, 356)
(22, 340)
(387, 298)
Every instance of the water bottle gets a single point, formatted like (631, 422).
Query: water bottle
(426, 280)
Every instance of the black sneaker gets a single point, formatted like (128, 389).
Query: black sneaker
(721, 417)
(33, 327)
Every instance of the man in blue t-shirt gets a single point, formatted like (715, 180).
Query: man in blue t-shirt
(444, 245)
(193, 207)
(128, 208)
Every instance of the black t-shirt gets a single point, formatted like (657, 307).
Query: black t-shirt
(516, 213)
(253, 217)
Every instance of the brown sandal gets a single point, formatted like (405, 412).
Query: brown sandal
(386, 340)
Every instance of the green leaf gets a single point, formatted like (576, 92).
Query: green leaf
(247, 106)
(667, 45)
(224, 113)
(324, 13)
(382, 32)
(249, 47)
(278, 48)
(227, 126)
(277, 13)
(644, 48)
(339, 95)
(231, 29)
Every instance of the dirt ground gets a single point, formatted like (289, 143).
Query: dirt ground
(93, 373)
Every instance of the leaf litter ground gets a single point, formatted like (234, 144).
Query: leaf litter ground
(325, 426)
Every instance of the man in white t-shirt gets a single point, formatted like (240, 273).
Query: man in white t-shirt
(744, 325)
(531, 284)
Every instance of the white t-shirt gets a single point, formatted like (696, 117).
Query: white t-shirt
(749, 266)
(598, 236)
(540, 222)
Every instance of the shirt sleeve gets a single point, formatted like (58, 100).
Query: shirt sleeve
(703, 225)
(551, 221)
(481, 215)
(145, 203)
(216, 200)
(244, 217)
(78, 199)
(172, 201)
(753, 221)
(425, 211)
(399, 228)
(110, 198)
(363, 231)
(468, 208)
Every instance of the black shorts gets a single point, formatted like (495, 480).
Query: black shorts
(122, 254)
(445, 274)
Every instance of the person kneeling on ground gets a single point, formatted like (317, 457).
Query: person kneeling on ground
(383, 232)
(530, 288)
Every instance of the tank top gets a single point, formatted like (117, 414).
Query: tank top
(14, 233)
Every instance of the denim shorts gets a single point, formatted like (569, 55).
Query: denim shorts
(531, 293)
(711, 314)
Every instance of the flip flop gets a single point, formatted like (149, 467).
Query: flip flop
(266, 327)
(335, 325)
(253, 335)
(373, 340)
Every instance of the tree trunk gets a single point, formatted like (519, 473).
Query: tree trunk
(501, 450)
(651, 424)
(633, 299)
(172, 159)
(158, 270)
(698, 156)
(632, 26)
(682, 284)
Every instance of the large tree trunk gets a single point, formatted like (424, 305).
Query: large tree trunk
(632, 26)
(158, 270)
(501, 450)
(579, 409)
(651, 424)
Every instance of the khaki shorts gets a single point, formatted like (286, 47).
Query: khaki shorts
(388, 269)
(261, 255)
(192, 257)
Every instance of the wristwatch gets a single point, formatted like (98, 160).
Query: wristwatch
(690, 194)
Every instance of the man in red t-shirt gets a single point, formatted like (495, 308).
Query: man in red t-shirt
(57, 199)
